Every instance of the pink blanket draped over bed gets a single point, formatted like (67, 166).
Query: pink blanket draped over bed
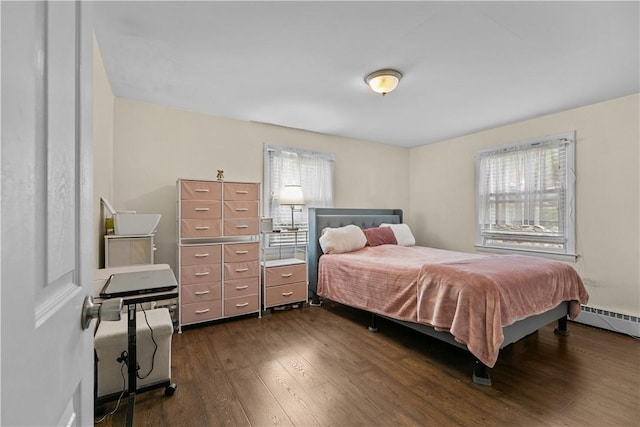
(471, 296)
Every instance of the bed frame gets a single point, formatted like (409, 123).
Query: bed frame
(320, 218)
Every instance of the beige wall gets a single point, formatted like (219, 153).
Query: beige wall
(103, 100)
(442, 194)
(155, 145)
(140, 150)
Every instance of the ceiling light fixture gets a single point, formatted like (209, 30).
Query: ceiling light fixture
(383, 81)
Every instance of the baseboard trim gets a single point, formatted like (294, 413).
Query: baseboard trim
(604, 319)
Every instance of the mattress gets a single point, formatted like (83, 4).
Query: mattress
(471, 296)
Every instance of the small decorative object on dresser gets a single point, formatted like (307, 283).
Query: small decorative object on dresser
(220, 175)
(284, 268)
(218, 250)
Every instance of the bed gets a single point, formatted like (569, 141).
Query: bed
(481, 303)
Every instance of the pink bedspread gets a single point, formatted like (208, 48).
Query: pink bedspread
(471, 296)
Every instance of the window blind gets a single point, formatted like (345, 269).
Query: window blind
(525, 195)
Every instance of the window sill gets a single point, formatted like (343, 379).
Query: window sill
(550, 255)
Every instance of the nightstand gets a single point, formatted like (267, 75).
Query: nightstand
(284, 268)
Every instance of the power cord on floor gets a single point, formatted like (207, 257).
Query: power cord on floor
(614, 328)
(123, 363)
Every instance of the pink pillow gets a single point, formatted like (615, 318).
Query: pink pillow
(380, 236)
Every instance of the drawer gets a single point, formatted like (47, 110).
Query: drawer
(201, 311)
(194, 228)
(241, 209)
(201, 209)
(241, 227)
(285, 294)
(241, 252)
(240, 270)
(286, 274)
(241, 287)
(200, 273)
(200, 190)
(241, 305)
(193, 255)
(240, 191)
(200, 292)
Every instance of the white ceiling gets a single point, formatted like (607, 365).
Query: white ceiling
(467, 66)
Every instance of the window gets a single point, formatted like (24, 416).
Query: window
(312, 170)
(525, 196)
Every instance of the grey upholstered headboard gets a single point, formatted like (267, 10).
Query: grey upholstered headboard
(321, 218)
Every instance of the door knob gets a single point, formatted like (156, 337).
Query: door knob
(108, 310)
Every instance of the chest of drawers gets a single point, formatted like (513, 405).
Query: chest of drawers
(284, 282)
(219, 255)
(284, 269)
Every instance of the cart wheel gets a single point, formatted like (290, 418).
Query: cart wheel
(171, 388)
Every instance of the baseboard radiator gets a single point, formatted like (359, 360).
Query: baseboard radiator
(610, 320)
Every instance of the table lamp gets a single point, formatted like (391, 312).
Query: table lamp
(291, 195)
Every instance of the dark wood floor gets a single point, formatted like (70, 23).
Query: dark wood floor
(320, 366)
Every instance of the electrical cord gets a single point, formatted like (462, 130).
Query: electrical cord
(155, 349)
(124, 389)
(603, 318)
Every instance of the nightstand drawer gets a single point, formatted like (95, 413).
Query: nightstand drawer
(286, 274)
(241, 209)
(240, 191)
(241, 287)
(240, 270)
(241, 227)
(190, 294)
(241, 252)
(201, 190)
(200, 273)
(194, 228)
(193, 255)
(201, 209)
(285, 294)
(201, 311)
(241, 305)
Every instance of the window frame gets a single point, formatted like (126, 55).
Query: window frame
(278, 240)
(567, 253)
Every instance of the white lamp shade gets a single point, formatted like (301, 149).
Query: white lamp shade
(291, 195)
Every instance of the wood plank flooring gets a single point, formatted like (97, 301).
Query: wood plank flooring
(319, 366)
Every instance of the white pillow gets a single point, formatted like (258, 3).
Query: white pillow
(343, 239)
(403, 234)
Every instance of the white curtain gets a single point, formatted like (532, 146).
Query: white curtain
(311, 169)
(522, 194)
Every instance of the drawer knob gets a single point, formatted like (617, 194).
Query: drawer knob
(206, 273)
(201, 209)
(244, 304)
(242, 252)
(201, 190)
(242, 209)
(202, 227)
(201, 292)
(241, 270)
(206, 310)
(242, 226)
(242, 192)
(287, 294)
(201, 255)
(241, 288)
(286, 275)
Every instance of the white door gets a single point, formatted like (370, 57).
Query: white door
(46, 251)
